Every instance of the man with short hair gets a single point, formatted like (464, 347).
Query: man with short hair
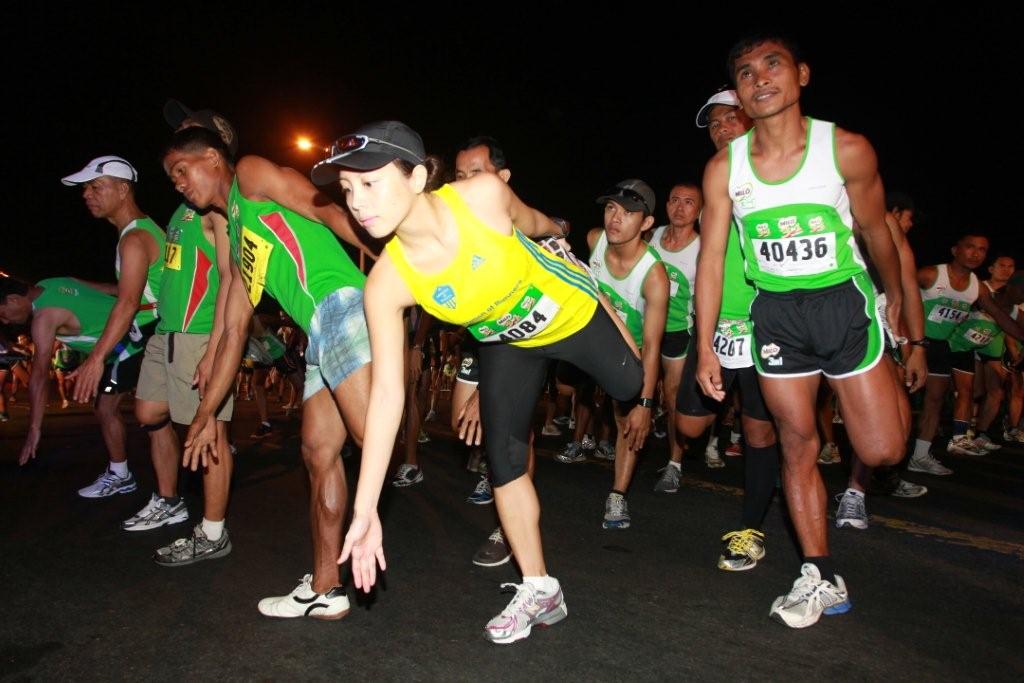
(795, 187)
(178, 363)
(70, 311)
(108, 189)
(677, 245)
(630, 274)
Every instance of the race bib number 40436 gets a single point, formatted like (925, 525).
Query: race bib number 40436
(528, 318)
(793, 256)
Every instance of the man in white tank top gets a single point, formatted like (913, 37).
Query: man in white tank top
(630, 274)
(795, 187)
(678, 245)
(949, 292)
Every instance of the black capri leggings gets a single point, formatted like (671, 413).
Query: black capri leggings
(511, 378)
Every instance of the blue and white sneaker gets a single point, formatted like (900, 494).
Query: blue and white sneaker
(616, 512)
(482, 494)
(108, 484)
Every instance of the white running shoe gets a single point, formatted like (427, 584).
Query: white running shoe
(527, 609)
(712, 458)
(305, 602)
(928, 465)
(908, 489)
(809, 598)
(108, 484)
(157, 513)
(964, 445)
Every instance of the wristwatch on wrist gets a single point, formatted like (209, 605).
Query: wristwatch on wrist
(924, 342)
(646, 402)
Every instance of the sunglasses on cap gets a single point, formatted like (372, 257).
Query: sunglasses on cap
(350, 144)
(627, 193)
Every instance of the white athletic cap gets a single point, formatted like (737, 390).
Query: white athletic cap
(112, 166)
(726, 97)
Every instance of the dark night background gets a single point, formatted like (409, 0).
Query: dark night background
(579, 103)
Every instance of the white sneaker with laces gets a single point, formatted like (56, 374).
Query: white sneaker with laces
(527, 609)
(852, 513)
(964, 445)
(305, 602)
(157, 513)
(928, 465)
(809, 598)
(108, 484)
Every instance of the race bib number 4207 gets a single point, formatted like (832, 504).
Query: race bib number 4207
(794, 256)
(732, 344)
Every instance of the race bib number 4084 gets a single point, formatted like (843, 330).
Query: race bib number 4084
(528, 318)
(794, 256)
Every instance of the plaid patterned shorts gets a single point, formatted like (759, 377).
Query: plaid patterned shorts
(339, 343)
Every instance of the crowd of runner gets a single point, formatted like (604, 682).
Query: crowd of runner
(786, 265)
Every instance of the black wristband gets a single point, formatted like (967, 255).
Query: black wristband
(924, 342)
(645, 402)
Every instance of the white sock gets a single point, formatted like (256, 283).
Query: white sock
(543, 584)
(855, 492)
(713, 442)
(921, 448)
(734, 437)
(677, 465)
(119, 468)
(213, 530)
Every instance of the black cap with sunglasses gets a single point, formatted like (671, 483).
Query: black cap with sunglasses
(632, 195)
(372, 146)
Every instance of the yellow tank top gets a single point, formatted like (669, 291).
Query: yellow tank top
(501, 288)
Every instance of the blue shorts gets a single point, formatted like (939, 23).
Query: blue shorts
(339, 343)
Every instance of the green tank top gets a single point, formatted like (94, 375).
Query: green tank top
(296, 260)
(626, 294)
(147, 312)
(92, 309)
(737, 291)
(188, 288)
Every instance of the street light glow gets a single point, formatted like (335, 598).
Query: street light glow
(304, 143)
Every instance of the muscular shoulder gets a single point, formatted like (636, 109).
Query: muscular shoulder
(253, 173)
(854, 154)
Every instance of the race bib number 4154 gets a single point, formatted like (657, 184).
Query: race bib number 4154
(794, 256)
